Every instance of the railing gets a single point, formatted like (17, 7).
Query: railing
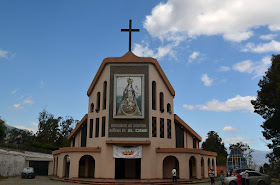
(22, 148)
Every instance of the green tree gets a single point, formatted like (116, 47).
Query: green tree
(267, 105)
(214, 143)
(18, 136)
(66, 127)
(247, 152)
(3, 131)
(48, 129)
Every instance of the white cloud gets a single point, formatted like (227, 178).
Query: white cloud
(244, 66)
(268, 36)
(206, 80)
(34, 124)
(27, 128)
(235, 140)
(224, 68)
(232, 18)
(16, 107)
(3, 54)
(14, 91)
(189, 107)
(229, 129)
(232, 104)
(196, 55)
(162, 51)
(28, 101)
(272, 46)
(257, 68)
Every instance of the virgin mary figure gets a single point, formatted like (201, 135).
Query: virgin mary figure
(129, 104)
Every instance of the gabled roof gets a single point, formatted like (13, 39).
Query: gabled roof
(179, 121)
(129, 57)
(78, 127)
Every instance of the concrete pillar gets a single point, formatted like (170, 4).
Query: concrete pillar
(206, 168)
(182, 168)
(198, 167)
(74, 167)
(215, 166)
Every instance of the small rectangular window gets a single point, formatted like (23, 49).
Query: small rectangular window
(194, 142)
(169, 128)
(97, 127)
(73, 141)
(103, 126)
(161, 128)
(90, 128)
(154, 127)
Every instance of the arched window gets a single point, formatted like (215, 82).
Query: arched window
(161, 103)
(154, 95)
(98, 102)
(169, 108)
(92, 107)
(104, 94)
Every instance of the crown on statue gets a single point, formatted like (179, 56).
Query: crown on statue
(129, 80)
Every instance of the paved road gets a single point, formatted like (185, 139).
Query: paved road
(43, 180)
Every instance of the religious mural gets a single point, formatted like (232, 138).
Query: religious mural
(129, 96)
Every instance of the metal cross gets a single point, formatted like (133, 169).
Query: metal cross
(130, 30)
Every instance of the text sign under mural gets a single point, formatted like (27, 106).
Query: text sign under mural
(127, 152)
(128, 96)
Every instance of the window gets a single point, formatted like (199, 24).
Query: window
(103, 126)
(97, 127)
(161, 103)
(154, 127)
(73, 141)
(169, 128)
(169, 108)
(90, 128)
(92, 107)
(104, 94)
(179, 134)
(161, 128)
(154, 95)
(194, 142)
(98, 102)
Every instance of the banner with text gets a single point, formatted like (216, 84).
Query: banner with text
(127, 152)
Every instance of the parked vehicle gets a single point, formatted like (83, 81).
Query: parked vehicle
(255, 178)
(28, 172)
(239, 170)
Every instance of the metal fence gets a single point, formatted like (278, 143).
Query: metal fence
(22, 148)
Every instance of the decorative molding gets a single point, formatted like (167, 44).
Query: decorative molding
(129, 142)
(76, 149)
(185, 150)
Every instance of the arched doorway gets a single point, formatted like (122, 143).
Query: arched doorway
(192, 167)
(86, 167)
(169, 163)
(202, 167)
(213, 166)
(56, 166)
(66, 166)
(209, 165)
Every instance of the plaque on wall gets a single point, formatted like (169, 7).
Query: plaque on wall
(128, 96)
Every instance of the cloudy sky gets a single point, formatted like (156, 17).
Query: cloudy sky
(213, 52)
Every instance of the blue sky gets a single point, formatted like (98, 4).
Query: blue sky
(214, 53)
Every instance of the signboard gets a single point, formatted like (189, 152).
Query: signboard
(127, 152)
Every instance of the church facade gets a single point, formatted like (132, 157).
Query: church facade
(130, 130)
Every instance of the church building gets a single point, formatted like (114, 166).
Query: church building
(130, 130)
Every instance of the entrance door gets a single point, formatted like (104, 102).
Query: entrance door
(127, 168)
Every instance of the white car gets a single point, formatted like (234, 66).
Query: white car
(255, 178)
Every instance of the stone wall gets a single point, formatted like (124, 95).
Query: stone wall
(11, 164)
